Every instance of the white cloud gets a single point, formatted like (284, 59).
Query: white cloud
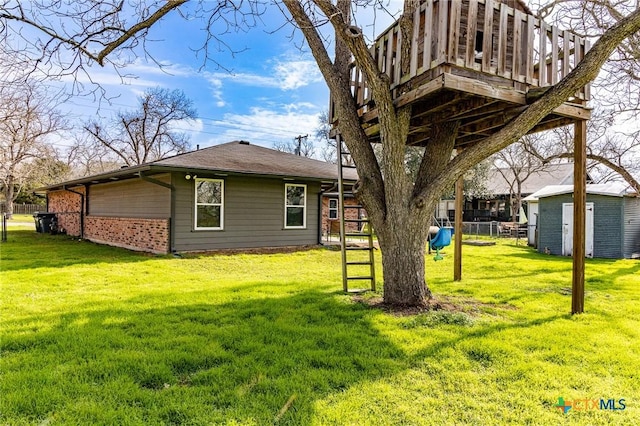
(161, 68)
(295, 74)
(264, 126)
(285, 75)
(216, 91)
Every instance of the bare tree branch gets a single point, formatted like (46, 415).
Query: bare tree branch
(146, 135)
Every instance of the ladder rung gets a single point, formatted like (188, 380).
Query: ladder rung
(357, 220)
(356, 234)
(359, 278)
(348, 166)
(358, 248)
(353, 206)
(358, 263)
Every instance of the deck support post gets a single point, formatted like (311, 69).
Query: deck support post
(579, 215)
(457, 254)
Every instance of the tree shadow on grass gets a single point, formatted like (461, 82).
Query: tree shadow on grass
(242, 361)
(30, 250)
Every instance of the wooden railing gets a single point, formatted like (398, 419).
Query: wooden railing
(521, 47)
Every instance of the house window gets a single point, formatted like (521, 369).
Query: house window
(209, 203)
(295, 206)
(333, 209)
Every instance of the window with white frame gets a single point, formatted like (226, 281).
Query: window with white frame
(333, 208)
(295, 206)
(209, 211)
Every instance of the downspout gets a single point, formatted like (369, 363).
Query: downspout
(173, 201)
(82, 207)
(320, 216)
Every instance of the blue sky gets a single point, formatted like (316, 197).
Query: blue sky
(271, 90)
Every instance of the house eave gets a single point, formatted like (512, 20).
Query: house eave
(149, 170)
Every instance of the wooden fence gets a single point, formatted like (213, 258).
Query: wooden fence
(21, 208)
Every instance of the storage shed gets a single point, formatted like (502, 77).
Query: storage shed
(612, 220)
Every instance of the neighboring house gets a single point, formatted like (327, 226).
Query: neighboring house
(612, 222)
(499, 206)
(234, 195)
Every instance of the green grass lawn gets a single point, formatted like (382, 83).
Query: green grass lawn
(22, 218)
(99, 335)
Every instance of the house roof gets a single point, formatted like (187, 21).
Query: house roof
(238, 157)
(613, 189)
(551, 174)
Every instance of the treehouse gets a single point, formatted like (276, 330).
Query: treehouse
(479, 62)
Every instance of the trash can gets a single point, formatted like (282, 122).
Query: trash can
(45, 222)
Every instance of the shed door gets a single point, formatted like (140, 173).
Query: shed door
(567, 230)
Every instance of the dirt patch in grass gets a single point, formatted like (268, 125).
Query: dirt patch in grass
(439, 303)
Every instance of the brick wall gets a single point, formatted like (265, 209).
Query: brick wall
(150, 235)
(67, 206)
(333, 225)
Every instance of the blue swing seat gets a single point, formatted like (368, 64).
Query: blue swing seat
(442, 238)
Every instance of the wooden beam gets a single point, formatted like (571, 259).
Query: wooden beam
(574, 111)
(551, 122)
(457, 254)
(487, 46)
(579, 215)
(481, 88)
(472, 28)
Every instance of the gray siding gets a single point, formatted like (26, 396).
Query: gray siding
(131, 198)
(631, 226)
(607, 224)
(550, 223)
(253, 215)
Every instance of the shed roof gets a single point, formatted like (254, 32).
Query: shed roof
(612, 189)
(238, 157)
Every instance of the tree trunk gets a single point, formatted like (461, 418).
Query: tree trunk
(9, 196)
(403, 263)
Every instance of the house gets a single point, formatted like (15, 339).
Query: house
(499, 206)
(234, 195)
(612, 220)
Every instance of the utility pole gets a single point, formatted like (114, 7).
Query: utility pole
(299, 139)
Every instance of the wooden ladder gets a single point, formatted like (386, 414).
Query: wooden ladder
(352, 257)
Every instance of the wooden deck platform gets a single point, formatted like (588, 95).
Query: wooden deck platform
(456, 72)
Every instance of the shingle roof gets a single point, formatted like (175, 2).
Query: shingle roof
(551, 174)
(242, 157)
(233, 157)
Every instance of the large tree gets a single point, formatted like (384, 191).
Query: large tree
(28, 118)
(148, 133)
(399, 206)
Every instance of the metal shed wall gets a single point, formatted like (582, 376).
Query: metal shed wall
(631, 226)
(253, 215)
(607, 224)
